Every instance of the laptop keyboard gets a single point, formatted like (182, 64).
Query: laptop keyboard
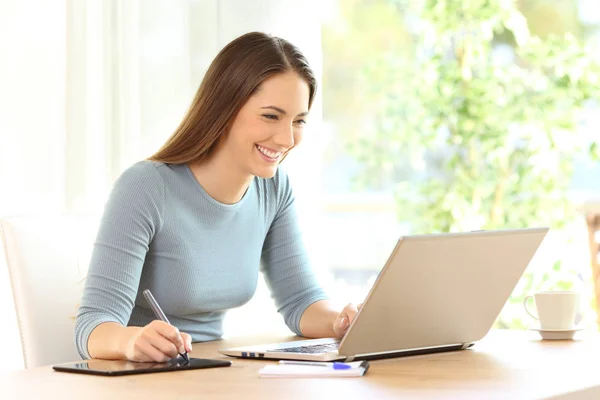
(309, 349)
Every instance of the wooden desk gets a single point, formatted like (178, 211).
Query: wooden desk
(505, 365)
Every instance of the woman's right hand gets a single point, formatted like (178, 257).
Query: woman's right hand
(157, 342)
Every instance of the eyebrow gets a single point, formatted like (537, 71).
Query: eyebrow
(282, 111)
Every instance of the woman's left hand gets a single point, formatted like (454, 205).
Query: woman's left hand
(344, 319)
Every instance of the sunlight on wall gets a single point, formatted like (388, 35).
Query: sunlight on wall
(32, 128)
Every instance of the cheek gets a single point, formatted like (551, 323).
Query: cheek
(258, 131)
(243, 135)
(298, 135)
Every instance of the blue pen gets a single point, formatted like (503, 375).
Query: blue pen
(334, 365)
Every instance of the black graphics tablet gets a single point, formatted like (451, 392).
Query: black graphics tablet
(118, 367)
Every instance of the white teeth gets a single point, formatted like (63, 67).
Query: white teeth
(268, 153)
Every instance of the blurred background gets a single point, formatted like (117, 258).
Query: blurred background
(431, 116)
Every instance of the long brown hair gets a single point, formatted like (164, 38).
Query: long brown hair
(233, 76)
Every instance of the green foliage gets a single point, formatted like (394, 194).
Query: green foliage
(490, 143)
(499, 136)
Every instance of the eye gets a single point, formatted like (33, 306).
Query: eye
(300, 122)
(271, 116)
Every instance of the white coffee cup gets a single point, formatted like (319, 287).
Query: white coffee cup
(556, 310)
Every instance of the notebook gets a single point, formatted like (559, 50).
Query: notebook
(357, 368)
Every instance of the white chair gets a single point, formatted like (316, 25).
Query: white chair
(47, 259)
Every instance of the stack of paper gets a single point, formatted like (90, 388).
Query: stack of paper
(357, 368)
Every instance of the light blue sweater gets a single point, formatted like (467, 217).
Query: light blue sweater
(161, 231)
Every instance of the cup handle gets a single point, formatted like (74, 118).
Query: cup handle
(527, 310)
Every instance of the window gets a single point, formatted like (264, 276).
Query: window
(370, 49)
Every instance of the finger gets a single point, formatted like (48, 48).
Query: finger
(172, 334)
(350, 311)
(343, 323)
(187, 339)
(163, 344)
(137, 355)
(351, 307)
(145, 351)
(154, 354)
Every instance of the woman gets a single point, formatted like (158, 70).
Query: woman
(195, 221)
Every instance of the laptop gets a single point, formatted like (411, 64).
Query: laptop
(436, 293)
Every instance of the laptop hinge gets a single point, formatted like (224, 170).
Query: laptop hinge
(409, 352)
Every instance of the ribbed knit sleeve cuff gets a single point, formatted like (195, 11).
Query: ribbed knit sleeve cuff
(83, 330)
(294, 320)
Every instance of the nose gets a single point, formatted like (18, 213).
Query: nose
(285, 136)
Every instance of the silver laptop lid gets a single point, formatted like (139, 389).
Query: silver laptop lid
(443, 289)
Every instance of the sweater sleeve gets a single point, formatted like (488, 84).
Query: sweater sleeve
(285, 262)
(131, 218)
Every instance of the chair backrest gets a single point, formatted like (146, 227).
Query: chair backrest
(47, 260)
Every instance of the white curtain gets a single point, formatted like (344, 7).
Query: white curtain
(88, 87)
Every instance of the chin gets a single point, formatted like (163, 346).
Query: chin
(265, 173)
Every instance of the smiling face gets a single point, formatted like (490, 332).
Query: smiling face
(268, 126)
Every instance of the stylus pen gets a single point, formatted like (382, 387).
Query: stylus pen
(334, 365)
(160, 315)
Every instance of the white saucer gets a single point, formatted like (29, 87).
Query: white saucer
(556, 334)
